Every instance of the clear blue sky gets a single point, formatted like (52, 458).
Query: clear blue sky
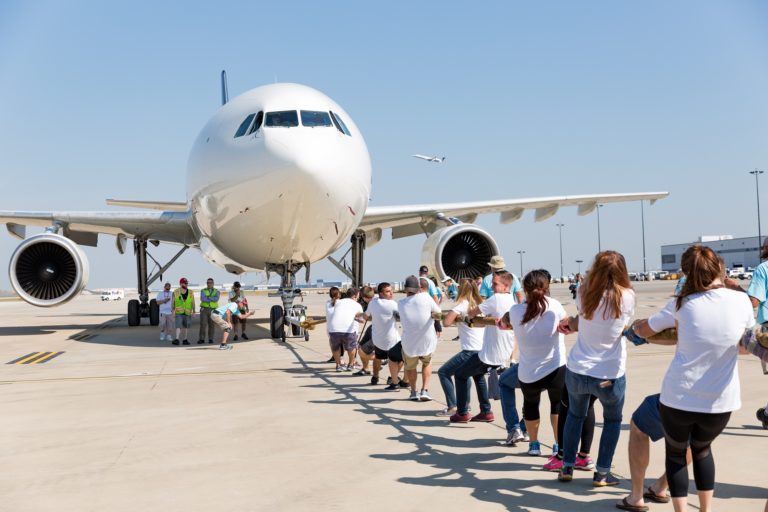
(104, 99)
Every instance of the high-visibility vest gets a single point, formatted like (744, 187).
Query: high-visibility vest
(207, 294)
(181, 306)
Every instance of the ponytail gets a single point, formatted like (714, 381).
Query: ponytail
(536, 287)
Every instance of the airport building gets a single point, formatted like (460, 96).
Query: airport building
(736, 252)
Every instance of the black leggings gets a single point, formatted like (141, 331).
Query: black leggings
(699, 429)
(587, 430)
(553, 384)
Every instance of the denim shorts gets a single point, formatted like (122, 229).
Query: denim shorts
(648, 418)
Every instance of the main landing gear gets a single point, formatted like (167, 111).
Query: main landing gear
(143, 307)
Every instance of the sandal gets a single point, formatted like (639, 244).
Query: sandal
(625, 505)
(656, 498)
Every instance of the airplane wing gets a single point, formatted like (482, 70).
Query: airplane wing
(84, 227)
(420, 219)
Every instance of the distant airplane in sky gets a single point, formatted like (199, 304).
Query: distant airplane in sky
(436, 159)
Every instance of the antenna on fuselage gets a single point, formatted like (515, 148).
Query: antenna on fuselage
(224, 93)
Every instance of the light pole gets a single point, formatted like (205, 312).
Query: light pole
(560, 228)
(642, 221)
(521, 263)
(599, 245)
(579, 262)
(757, 191)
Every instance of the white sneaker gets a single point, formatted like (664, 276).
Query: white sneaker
(424, 397)
(414, 397)
(162, 337)
(517, 436)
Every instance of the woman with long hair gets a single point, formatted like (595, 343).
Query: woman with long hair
(471, 339)
(541, 351)
(335, 294)
(701, 387)
(596, 363)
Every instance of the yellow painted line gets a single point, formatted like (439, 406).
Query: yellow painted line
(42, 356)
(49, 355)
(29, 358)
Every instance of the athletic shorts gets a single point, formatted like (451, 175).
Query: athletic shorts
(183, 321)
(367, 347)
(412, 362)
(395, 354)
(348, 340)
(380, 354)
(648, 418)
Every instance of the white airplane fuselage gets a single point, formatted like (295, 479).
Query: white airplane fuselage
(280, 193)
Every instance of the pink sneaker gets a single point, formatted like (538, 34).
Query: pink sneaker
(584, 463)
(553, 464)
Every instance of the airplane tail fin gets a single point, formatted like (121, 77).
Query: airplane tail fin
(224, 91)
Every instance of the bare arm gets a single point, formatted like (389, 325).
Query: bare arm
(450, 318)
(520, 297)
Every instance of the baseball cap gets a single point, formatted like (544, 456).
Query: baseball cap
(183, 280)
(497, 263)
(423, 269)
(447, 279)
(412, 284)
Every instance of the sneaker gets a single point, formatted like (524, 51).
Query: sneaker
(414, 396)
(374, 381)
(392, 387)
(210, 342)
(360, 373)
(762, 417)
(460, 418)
(200, 342)
(185, 342)
(566, 474)
(553, 464)
(389, 381)
(424, 397)
(604, 479)
(175, 342)
(455, 339)
(330, 360)
(162, 336)
(526, 439)
(235, 338)
(584, 463)
(485, 417)
(534, 449)
(517, 436)
(403, 384)
(225, 346)
(348, 368)
(244, 336)
(510, 440)
(339, 368)
(448, 411)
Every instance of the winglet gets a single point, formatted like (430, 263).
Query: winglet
(224, 92)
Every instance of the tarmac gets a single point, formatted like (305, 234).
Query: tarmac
(105, 417)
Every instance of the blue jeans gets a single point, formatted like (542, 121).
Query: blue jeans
(507, 383)
(580, 387)
(476, 369)
(446, 373)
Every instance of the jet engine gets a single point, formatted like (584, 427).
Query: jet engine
(48, 270)
(459, 251)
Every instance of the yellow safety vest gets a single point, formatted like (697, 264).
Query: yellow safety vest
(213, 304)
(181, 306)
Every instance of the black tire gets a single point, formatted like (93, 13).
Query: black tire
(276, 329)
(134, 316)
(306, 334)
(154, 312)
(295, 330)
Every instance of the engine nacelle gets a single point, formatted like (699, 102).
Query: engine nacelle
(459, 251)
(48, 270)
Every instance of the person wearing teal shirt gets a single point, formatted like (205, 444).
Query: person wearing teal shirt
(223, 316)
(497, 265)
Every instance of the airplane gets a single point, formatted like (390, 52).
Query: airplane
(277, 179)
(436, 159)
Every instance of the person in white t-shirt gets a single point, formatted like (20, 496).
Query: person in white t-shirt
(596, 363)
(419, 338)
(496, 351)
(342, 328)
(471, 339)
(541, 350)
(701, 387)
(382, 312)
(167, 322)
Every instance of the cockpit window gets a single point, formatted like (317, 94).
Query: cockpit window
(340, 124)
(285, 119)
(313, 118)
(256, 123)
(244, 125)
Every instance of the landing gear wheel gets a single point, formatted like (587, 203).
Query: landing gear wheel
(154, 312)
(276, 321)
(295, 330)
(134, 316)
(306, 334)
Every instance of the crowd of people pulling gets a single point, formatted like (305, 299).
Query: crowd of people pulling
(511, 334)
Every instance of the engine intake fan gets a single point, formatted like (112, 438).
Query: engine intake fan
(460, 251)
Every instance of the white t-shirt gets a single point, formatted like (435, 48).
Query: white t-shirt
(703, 376)
(419, 337)
(542, 348)
(383, 324)
(343, 317)
(166, 308)
(497, 345)
(600, 350)
(471, 338)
